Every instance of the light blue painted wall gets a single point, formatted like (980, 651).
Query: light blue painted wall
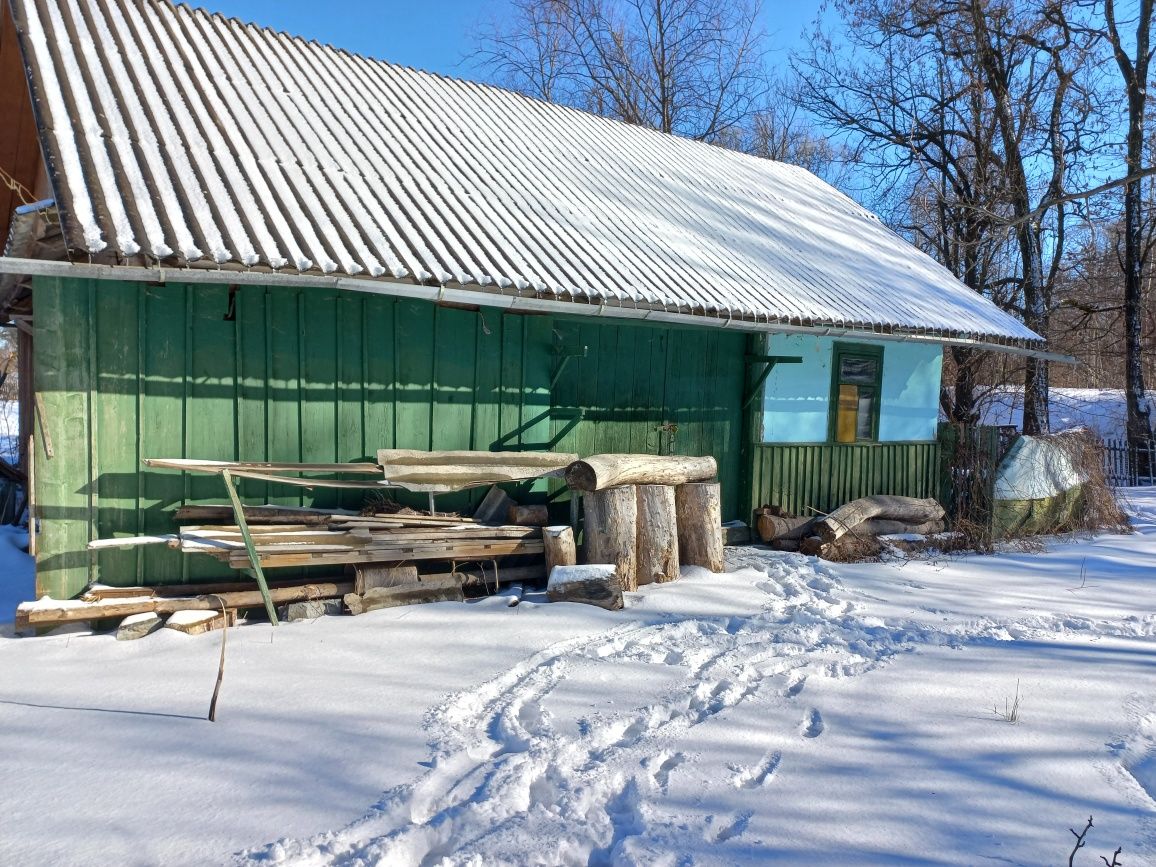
(797, 397)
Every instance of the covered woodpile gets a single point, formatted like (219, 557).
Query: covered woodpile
(644, 517)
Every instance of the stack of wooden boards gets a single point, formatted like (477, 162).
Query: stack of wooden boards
(645, 516)
(298, 539)
(852, 530)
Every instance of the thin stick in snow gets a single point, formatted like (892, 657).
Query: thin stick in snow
(221, 666)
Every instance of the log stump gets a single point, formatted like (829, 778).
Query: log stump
(559, 546)
(611, 531)
(698, 511)
(596, 584)
(657, 542)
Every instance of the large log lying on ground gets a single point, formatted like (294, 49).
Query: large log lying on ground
(657, 542)
(611, 531)
(595, 584)
(773, 527)
(447, 588)
(847, 517)
(888, 527)
(599, 472)
(700, 536)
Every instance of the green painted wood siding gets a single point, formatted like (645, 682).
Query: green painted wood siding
(129, 371)
(805, 477)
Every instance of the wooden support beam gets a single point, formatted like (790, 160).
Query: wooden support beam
(254, 560)
(770, 361)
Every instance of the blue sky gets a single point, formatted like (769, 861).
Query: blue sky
(438, 34)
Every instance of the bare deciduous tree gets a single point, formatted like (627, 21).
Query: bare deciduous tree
(984, 103)
(691, 67)
(1134, 72)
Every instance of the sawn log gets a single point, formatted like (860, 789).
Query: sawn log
(599, 472)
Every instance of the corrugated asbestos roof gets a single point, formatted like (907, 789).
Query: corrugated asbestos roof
(185, 138)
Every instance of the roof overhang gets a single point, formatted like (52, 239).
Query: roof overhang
(491, 297)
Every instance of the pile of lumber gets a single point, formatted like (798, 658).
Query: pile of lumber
(645, 516)
(851, 531)
(341, 539)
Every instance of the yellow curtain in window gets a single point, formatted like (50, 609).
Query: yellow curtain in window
(846, 421)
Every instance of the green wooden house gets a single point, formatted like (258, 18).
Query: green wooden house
(229, 243)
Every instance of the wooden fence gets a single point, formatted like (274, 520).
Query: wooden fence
(1126, 464)
(805, 478)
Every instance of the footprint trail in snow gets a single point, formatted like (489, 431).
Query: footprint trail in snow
(510, 783)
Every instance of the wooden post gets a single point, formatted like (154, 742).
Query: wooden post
(698, 507)
(254, 560)
(560, 547)
(611, 531)
(657, 542)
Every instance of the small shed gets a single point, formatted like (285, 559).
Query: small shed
(237, 244)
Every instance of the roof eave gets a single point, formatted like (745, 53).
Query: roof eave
(491, 296)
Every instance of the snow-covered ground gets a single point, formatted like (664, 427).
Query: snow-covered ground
(790, 711)
(1101, 409)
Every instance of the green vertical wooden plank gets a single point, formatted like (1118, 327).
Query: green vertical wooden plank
(455, 355)
(114, 356)
(379, 354)
(510, 406)
(350, 385)
(162, 420)
(487, 397)
(537, 353)
(253, 388)
(63, 481)
(414, 330)
(582, 372)
(318, 347)
(612, 433)
(210, 431)
(455, 360)
(284, 417)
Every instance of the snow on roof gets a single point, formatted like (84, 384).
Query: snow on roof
(179, 137)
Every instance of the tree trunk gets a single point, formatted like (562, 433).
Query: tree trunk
(611, 531)
(599, 472)
(1134, 71)
(657, 535)
(963, 407)
(560, 548)
(698, 507)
